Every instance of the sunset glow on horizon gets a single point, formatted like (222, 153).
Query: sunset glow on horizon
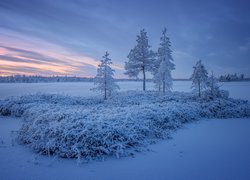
(20, 55)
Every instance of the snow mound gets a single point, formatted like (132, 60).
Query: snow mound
(90, 128)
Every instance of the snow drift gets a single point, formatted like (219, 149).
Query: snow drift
(75, 127)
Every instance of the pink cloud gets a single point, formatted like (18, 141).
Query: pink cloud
(66, 61)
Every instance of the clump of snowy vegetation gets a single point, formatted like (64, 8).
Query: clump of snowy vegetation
(90, 128)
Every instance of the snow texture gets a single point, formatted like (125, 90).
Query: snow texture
(91, 128)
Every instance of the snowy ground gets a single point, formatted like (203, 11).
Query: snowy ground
(209, 149)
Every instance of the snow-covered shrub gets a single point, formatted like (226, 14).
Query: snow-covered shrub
(75, 127)
(213, 90)
(217, 93)
(225, 108)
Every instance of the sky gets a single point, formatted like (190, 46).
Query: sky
(69, 37)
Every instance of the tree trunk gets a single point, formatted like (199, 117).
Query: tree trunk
(105, 83)
(105, 94)
(164, 83)
(144, 79)
(199, 84)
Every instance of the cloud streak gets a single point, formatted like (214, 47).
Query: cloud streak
(40, 56)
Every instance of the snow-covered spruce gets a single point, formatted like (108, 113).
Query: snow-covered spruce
(104, 80)
(141, 58)
(163, 65)
(89, 128)
(199, 77)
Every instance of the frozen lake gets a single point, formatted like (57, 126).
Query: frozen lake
(236, 89)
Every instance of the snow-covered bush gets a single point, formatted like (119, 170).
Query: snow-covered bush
(75, 127)
(213, 89)
(225, 108)
(217, 93)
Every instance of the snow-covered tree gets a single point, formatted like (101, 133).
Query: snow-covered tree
(140, 58)
(104, 80)
(199, 77)
(213, 86)
(164, 64)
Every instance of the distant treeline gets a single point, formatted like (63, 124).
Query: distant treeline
(44, 79)
(233, 77)
(36, 79)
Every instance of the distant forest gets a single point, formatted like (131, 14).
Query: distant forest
(44, 79)
(233, 77)
(37, 79)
